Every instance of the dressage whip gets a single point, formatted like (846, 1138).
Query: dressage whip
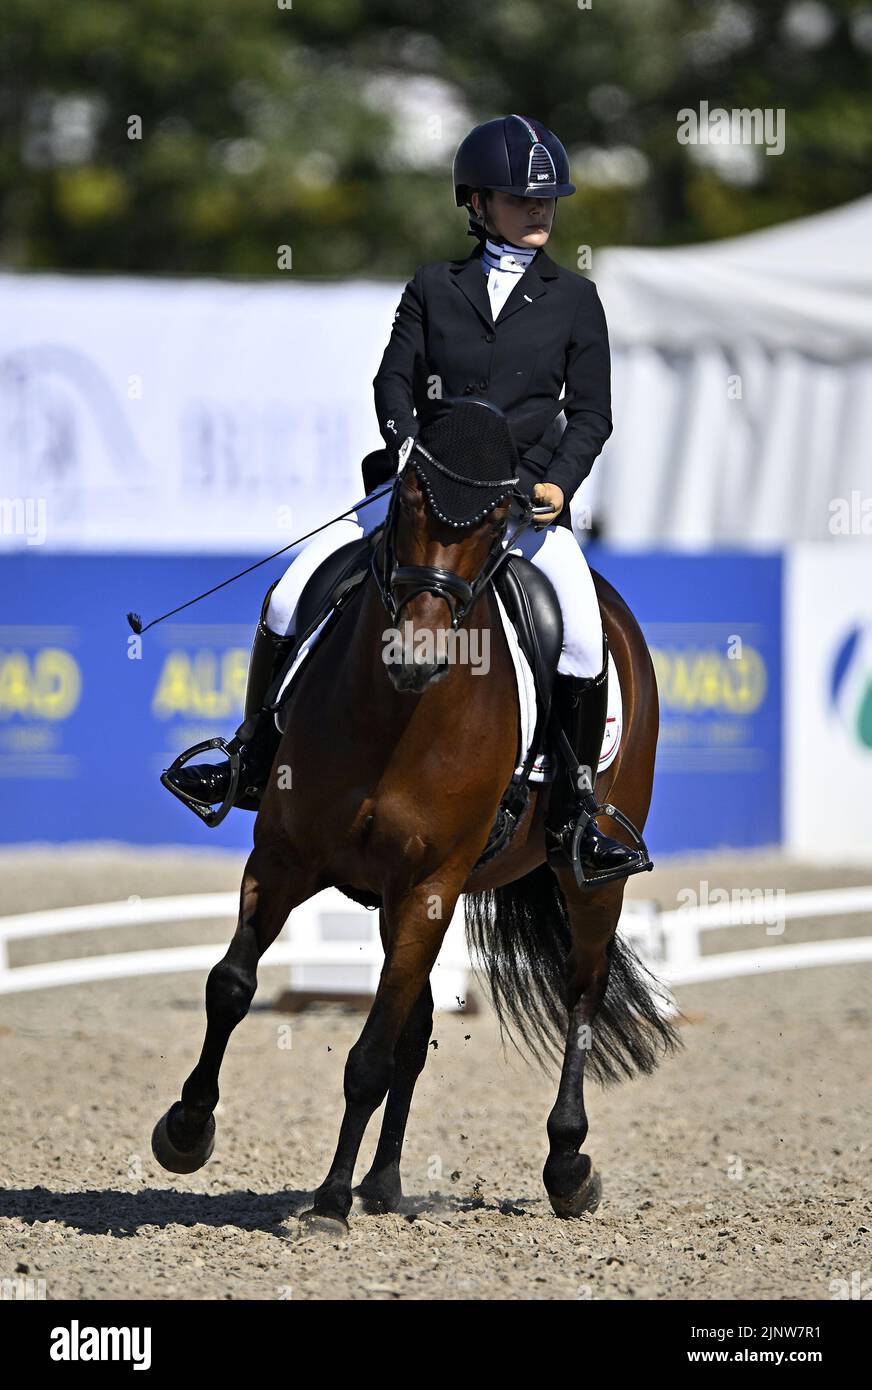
(135, 620)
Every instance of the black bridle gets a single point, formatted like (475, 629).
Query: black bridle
(433, 579)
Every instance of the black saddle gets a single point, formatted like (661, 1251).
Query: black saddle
(533, 610)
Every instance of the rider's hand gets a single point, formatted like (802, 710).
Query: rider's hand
(553, 495)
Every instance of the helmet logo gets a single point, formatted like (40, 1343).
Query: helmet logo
(540, 166)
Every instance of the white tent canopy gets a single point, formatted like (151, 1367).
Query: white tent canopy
(742, 385)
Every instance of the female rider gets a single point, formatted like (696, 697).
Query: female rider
(510, 326)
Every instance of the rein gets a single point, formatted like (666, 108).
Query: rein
(426, 577)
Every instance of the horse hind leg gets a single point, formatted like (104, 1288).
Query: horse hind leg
(615, 1017)
(183, 1138)
(572, 1183)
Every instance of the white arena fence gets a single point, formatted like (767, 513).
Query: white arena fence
(332, 946)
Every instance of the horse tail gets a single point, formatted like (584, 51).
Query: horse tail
(520, 936)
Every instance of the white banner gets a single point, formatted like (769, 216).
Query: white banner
(828, 764)
(183, 414)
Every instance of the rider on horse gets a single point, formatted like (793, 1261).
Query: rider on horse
(511, 327)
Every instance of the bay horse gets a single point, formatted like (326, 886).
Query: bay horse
(396, 776)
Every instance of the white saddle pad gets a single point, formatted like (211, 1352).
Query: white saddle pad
(542, 771)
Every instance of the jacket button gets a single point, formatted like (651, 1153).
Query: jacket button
(489, 337)
(468, 390)
(482, 386)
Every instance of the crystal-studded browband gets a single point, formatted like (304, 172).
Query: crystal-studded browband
(502, 485)
(458, 477)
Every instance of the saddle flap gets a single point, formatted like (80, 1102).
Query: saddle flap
(534, 610)
(338, 573)
(324, 588)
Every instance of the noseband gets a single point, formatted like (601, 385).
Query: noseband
(432, 579)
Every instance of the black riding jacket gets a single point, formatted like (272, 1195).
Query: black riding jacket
(550, 331)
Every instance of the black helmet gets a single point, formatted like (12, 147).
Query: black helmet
(511, 155)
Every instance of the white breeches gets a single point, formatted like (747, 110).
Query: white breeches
(554, 551)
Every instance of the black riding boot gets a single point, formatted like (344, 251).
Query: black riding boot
(572, 835)
(256, 740)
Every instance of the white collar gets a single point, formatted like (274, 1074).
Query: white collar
(503, 255)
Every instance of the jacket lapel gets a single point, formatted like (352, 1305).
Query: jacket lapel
(471, 280)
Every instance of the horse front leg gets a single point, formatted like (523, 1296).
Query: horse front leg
(377, 1064)
(572, 1183)
(382, 1188)
(184, 1137)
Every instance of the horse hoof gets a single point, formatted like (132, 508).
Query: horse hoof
(585, 1200)
(182, 1160)
(377, 1201)
(312, 1223)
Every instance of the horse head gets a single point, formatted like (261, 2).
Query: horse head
(443, 536)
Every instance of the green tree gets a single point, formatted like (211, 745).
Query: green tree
(201, 138)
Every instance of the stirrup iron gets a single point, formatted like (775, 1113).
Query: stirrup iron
(209, 816)
(643, 865)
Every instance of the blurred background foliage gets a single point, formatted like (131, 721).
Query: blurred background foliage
(329, 125)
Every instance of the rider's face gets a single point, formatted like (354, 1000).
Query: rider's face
(522, 221)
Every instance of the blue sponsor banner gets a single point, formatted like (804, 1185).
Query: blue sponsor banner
(713, 623)
(89, 717)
